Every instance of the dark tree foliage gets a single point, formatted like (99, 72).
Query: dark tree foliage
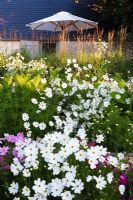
(114, 13)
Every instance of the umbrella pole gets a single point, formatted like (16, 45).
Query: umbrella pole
(64, 44)
(63, 35)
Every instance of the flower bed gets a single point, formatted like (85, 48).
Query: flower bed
(72, 121)
(59, 165)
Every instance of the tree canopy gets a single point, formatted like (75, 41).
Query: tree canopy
(114, 13)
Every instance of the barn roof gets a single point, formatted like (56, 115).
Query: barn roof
(15, 14)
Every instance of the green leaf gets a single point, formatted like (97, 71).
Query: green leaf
(36, 80)
(54, 73)
(21, 80)
(121, 83)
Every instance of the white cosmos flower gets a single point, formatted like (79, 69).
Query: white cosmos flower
(64, 85)
(128, 100)
(25, 117)
(93, 163)
(48, 92)
(55, 167)
(105, 77)
(99, 138)
(27, 125)
(81, 133)
(110, 177)
(69, 76)
(77, 186)
(84, 68)
(75, 114)
(117, 96)
(43, 80)
(89, 178)
(113, 161)
(80, 155)
(69, 70)
(122, 91)
(16, 168)
(72, 146)
(59, 108)
(103, 92)
(67, 195)
(42, 105)
(76, 65)
(106, 103)
(124, 166)
(74, 60)
(69, 178)
(42, 126)
(95, 152)
(13, 189)
(91, 86)
(101, 183)
(36, 124)
(40, 187)
(69, 61)
(26, 173)
(29, 132)
(65, 167)
(122, 189)
(26, 191)
(68, 129)
(56, 187)
(34, 101)
(94, 78)
(38, 197)
(121, 156)
(90, 66)
(31, 154)
(38, 111)
(51, 123)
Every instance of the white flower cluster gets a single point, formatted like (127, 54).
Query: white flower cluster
(52, 163)
(90, 101)
(16, 64)
(54, 153)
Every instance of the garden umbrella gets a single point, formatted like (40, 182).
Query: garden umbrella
(64, 22)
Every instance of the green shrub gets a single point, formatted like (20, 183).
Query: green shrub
(3, 61)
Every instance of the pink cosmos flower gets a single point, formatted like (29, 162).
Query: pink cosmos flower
(14, 139)
(123, 179)
(3, 151)
(6, 168)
